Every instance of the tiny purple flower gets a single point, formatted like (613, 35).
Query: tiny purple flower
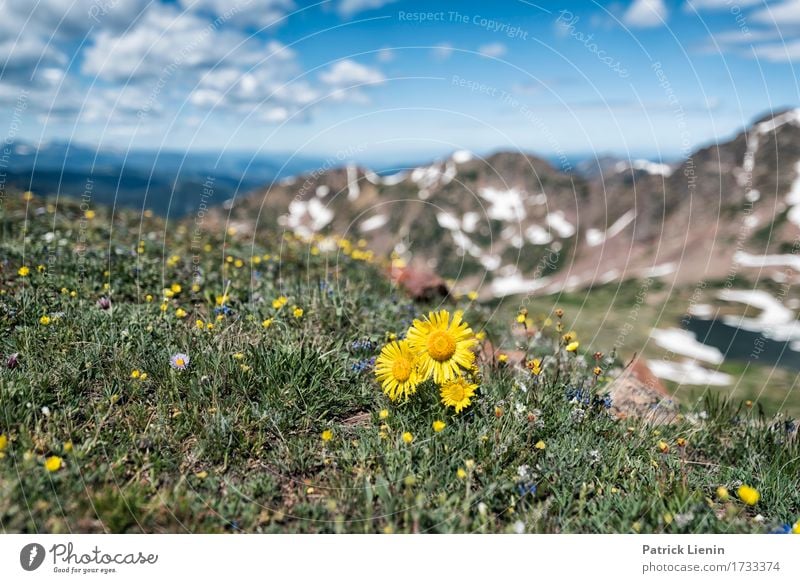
(179, 361)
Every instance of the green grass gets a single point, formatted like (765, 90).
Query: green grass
(234, 442)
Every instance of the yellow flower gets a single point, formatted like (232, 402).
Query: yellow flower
(384, 413)
(480, 335)
(180, 313)
(461, 473)
(407, 437)
(266, 323)
(327, 435)
(148, 298)
(473, 295)
(27, 196)
(535, 366)
(163, 307)
(540, 445)
(90, 214)
(396, 370)
(143, 376)
(457, 393)
(442, 346)
(221, 300)
(680, 442)
(748, 495)
(502, 357)
(175, 288)
(238, 263)
(199, 324)
(136, 373)
(573, 346)
(40, 268)
(24, 271)
(238, 356)
(297, 312)
(68, 446)
(662, 446)
(53, 463)
(796, 528)
(45, 320)
(722, 493)
(438, 425)
(3, 442)
(520, 318)
(279, 302)
(470, 464)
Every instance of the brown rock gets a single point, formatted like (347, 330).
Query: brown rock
(637, 392)
(420, 283)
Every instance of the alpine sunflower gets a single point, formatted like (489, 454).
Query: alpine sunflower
(442, 346)
(457, 393)
(396, 370)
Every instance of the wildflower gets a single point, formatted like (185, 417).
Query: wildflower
(175, 288)
(40, 268)
(90, 214)
(597, 371)
(663, 447)
(136, 373)
(796, 528)
(461, 473)
(297, 312)
(199, 324)
(396, 370)
(27, 196)
(480, 336)
(53, 463)
(180, 313)
(222, 300)
(559, 313)
(3, 443)
(535, 366)
(104, 303)
(748, 495)
(442, 345)
(384, 413)
(722, 493)
(521, 318)
(327, 435)
(457, 393)
(472, 296)
(266, 323)
(13, 361)
(24, 271)
(68, 446)
(438, 425)
(407, 437)
(45, 320)
(680, 442)
(470, 464)
(540, 445)
(573, 346)
(748, 403)
(179, 361)
(279, 302)
(164, 306)
(148, 298)
(238, 356)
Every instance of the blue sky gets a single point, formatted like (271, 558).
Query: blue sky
(381, 81)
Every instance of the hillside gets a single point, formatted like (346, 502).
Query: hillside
(162, 379)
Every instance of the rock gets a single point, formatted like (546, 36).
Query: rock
(637, 392)
(420, 283)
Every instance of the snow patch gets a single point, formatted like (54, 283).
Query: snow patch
(305, 218)
(323, 190)
(516, 284)
(559, 223)
(748, 260)
(373, 223)
(537, 235)
(353, 189)
(504, 205)
(685, 343)
(462, 156)
(688, 372)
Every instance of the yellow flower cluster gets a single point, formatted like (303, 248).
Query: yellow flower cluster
(438, 348)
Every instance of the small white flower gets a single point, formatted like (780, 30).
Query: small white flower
(46, 411)
(519, 527)
(482, 508)
(523, 471)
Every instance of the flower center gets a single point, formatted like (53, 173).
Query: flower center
(179, 361)
(456, 391)
(401, 369)
(441, 346)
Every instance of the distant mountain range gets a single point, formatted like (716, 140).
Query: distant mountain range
(514, 223)
(163, 181)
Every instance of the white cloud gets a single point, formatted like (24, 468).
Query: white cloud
(719, 4)
(385, 55)
(787, 12)
(166, 41)
(493, 50)
(347, 73)
(245, 13)
(645, 13)
(442, 51)
(350, 7)
(779, 52)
